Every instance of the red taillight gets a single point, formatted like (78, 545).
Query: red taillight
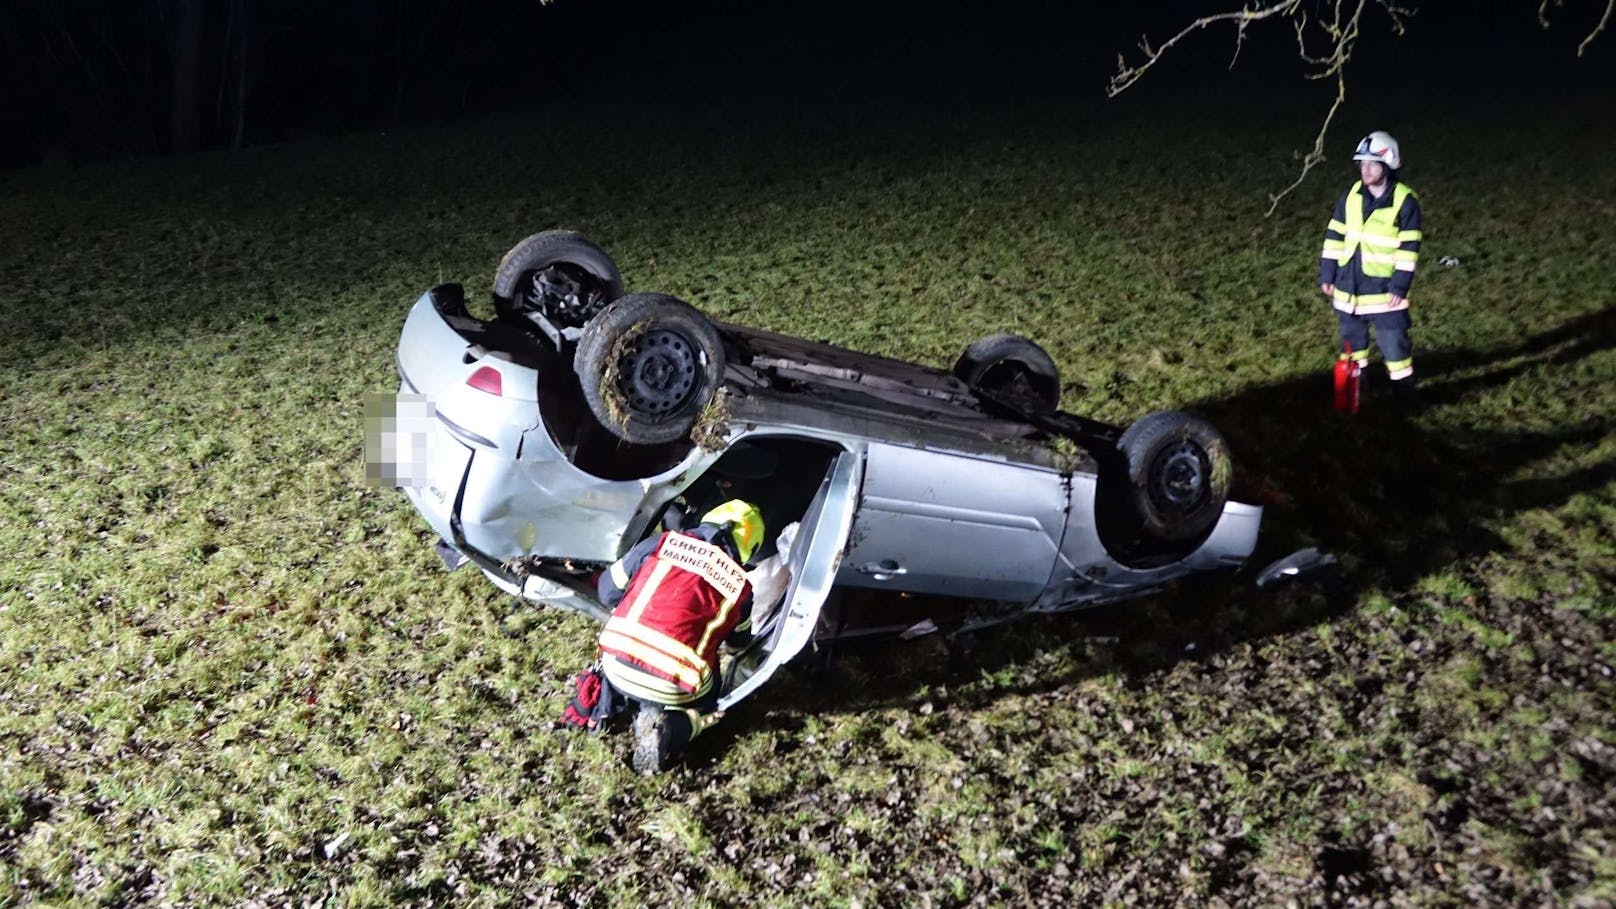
(486, 379)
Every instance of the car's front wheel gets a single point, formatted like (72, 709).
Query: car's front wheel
(649, 364)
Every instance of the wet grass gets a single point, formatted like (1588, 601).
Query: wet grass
(231, 672)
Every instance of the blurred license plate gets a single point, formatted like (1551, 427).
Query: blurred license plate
(400, 433)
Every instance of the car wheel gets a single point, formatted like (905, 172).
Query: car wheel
(648, 365)
(1178, 474)
(558, 274)
(1013, 369)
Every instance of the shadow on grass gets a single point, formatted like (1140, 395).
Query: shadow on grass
(1396, 494)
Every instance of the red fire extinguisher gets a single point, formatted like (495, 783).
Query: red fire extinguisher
(1347, 371)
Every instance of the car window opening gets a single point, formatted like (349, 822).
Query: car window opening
(778, 474)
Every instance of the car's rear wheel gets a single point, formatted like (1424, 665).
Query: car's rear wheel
(1012, 369)
(1178, 474)
(558, 274)
(649, 364)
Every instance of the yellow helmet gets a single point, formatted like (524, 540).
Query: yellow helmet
(745, 525)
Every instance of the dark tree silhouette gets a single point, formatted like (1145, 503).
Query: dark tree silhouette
(185, 127)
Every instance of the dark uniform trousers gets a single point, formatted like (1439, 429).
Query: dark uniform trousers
(1391, 333)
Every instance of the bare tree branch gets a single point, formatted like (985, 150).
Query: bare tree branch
(1603, 21)
(1341, 32)
(1316, 156)
(1335, 33)
(1128, 75)
(1239, 41)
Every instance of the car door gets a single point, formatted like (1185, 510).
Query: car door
(815, 556)
(954, 524)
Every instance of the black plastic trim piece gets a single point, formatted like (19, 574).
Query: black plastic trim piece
(464, 433)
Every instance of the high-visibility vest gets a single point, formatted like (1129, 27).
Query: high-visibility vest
(1378, 244)
(661, 643)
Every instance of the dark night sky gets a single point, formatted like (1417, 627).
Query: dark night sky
(95, 78)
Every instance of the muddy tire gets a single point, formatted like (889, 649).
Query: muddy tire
(648, 365)
(1178, 475)
(558, 273)
(1013, 369)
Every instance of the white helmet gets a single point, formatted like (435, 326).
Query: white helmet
(1379, 146)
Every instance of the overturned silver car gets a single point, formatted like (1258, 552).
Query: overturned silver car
(544, 443)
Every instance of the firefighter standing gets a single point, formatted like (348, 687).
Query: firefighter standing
(1371, 247)
(677, 597)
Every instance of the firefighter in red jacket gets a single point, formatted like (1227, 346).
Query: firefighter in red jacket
(677, 596)
(1371, 248)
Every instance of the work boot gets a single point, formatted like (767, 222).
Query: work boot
(1371, 386)
(659, 733)
(1405, 393)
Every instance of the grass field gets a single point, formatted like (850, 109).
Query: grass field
(231, 672)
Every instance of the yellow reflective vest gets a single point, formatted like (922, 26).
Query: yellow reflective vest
(1371, 248)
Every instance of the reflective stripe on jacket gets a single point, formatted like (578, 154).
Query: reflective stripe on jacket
(1371, 248)
(684, 597)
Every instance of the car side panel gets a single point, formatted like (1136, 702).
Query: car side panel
(946, 523)
(1087, 575)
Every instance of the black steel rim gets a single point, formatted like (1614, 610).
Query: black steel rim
(1178, 478)
(658, 374)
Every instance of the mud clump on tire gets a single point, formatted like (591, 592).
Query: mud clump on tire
(649, 365)
(711, 432)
